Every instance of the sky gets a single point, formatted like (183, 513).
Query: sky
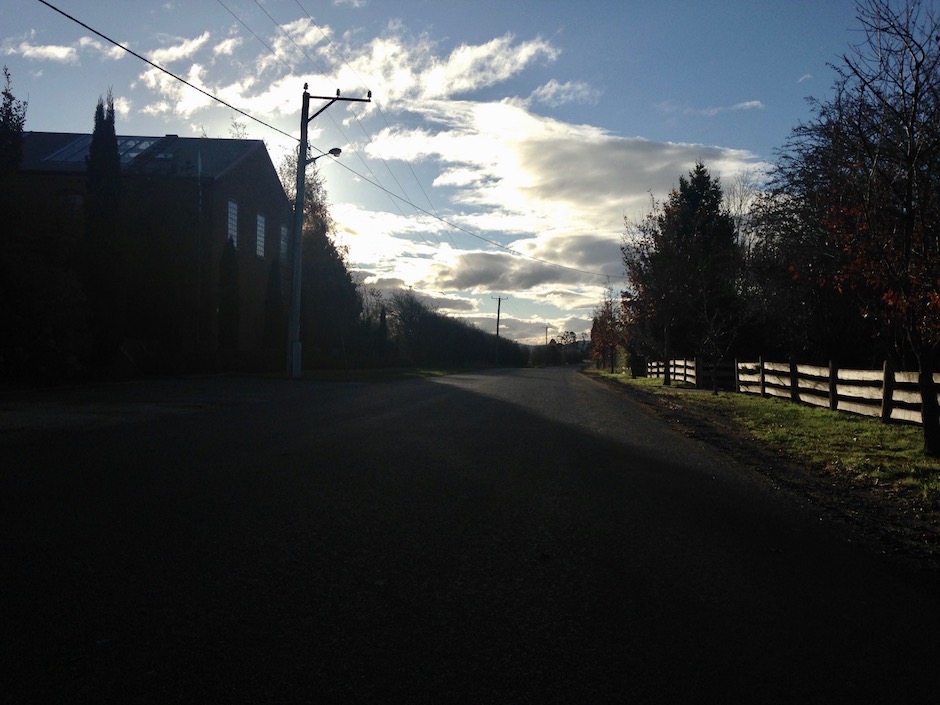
(508, 143)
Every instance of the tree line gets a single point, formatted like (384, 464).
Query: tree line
(835, 257)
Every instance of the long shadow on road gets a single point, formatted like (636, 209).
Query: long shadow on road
(424, 542)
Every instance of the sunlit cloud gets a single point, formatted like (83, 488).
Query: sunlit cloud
(178, 52)
(227, 47)
(668, 107)
(122, 106)
(47, 52)
(555, 94)
(528, 204)
(109, 51)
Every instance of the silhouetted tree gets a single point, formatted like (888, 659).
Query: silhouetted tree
(330, 300)
(873, 153)
(12, 123)
(606, 333)
(423, 336)
(682, 269)
(103, 268)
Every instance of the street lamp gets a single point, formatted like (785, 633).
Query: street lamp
(293, 332)
(335, 152)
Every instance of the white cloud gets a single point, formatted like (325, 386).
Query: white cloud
(553, 192)
(122, 106)
(176, 52)
(555, 94)
(410, 71)
(227, 47)
(47, 52)
(669, 107)
(109, 51)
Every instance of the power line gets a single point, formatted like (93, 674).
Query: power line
(375, 183)
(264, 43)
(166, 71)
(433, 214)
(375, 179)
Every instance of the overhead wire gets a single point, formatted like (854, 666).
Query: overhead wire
(377, 105)
(166, 71)
(433, 212)
(374, 182)
(375, 179)
(320, 70)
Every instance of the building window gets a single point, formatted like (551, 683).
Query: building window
(284, 242)
(259, 241)
(233, 222)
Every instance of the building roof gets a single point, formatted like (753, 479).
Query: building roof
(170, 155)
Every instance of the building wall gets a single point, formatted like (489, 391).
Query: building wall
(253, 185)
(174, 229)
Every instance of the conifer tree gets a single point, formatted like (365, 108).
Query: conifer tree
(12, 122)
(103, 269)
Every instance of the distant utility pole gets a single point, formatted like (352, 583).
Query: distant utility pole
(293, 327)
(499, 302)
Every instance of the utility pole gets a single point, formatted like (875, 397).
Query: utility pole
(499, 302)
(293, 325)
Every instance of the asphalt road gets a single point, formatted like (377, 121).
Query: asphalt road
(507, 537)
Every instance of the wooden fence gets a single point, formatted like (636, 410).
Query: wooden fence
(696, 372)
(885, 393)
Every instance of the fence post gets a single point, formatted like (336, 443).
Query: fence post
(887, 392)
(698, 372)
(737, 380)
(833, 385)
(794, 382)
(763, 380)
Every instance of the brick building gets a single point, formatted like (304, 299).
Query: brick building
(182, 200)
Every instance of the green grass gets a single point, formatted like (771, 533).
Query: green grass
(859, 447)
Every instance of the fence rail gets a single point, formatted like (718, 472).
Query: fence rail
(885, 393)
(697, 372)
(888, 394)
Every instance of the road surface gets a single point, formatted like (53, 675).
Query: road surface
(503, 537)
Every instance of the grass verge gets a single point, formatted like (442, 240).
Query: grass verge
(858, 448)
(854, 469)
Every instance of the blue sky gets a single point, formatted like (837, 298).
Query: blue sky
(537, 126)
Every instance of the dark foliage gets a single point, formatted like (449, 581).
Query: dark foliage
(103, 271)
(12, 123)
(424, 337)
(683, 268)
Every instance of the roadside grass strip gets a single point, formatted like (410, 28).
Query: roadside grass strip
(835, 442)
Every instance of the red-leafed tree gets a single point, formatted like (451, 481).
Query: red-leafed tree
(606, 333)
(873, 155)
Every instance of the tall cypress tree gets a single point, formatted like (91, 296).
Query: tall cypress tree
(103, 268)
